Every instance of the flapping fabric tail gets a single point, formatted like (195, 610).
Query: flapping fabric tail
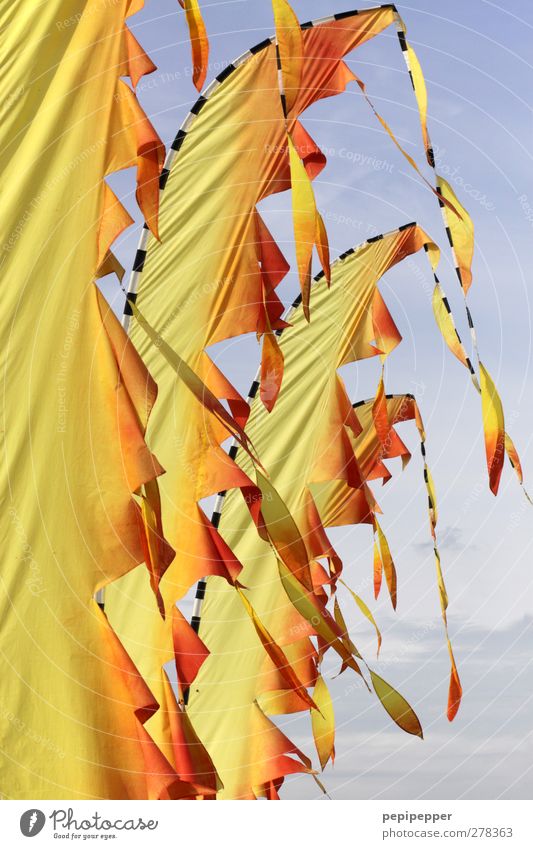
(199, 41)
(386, 337)
(290, 52)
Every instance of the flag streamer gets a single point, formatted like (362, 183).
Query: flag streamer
(199, 41)
(460, 232)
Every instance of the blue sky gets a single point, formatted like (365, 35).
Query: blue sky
(475, 57)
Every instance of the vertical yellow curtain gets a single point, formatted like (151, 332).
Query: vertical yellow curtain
(76, 400)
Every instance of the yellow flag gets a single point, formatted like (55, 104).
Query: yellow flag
(77, 400)
(305, 443)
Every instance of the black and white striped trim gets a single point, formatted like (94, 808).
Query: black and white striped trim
(187, 124)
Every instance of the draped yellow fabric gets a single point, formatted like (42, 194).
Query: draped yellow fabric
(76, 403)
(307, 444)
(213, 276)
